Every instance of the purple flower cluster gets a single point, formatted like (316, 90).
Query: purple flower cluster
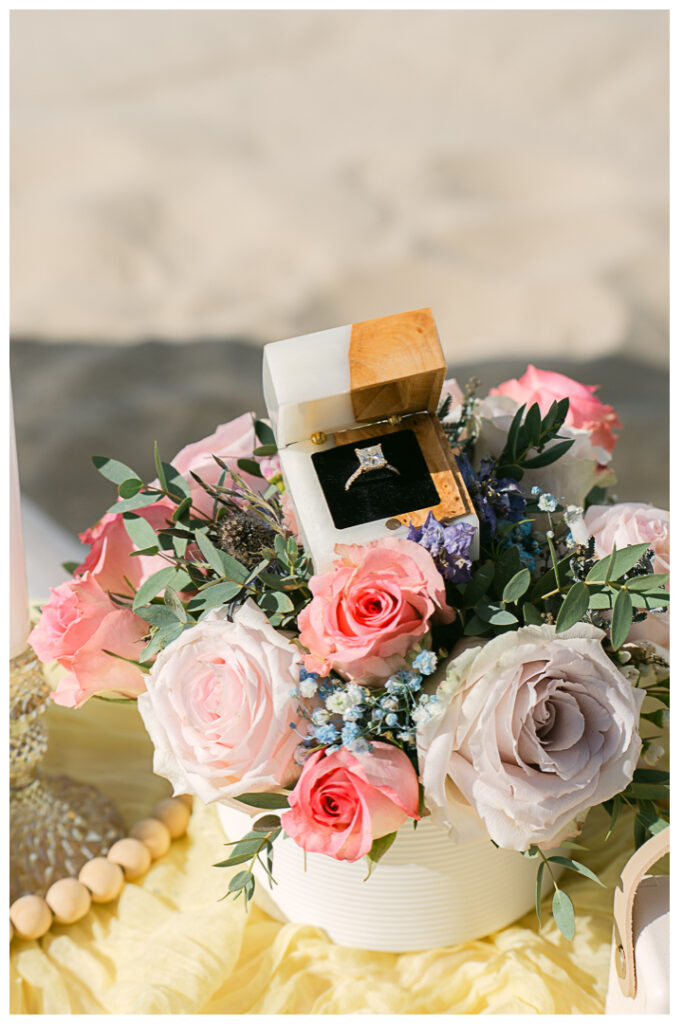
(493, 498)
(449, 546)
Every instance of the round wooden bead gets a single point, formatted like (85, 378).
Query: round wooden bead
(103, 878)
(69, 900)
(30, 916)
(154, 834)
(132, 855)
(175, 815)
(187, 799)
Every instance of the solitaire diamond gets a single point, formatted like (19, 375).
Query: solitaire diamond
(371, 458)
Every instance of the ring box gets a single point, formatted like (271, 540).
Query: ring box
(370, 384)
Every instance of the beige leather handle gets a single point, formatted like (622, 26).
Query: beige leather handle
(624, 896)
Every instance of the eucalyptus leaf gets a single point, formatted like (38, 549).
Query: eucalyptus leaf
(130, 487)
(624, 559)
(649, 582)
(532, 424)
(532, 616)
(265, 801)
(539, 883)
(176, 484)
(168, 577)
(184, 506)
(212, 597)
(140, 532)
(113, 470)
(574, 607)
(563, 912)
(377, 850)
(517, 586)
(264, 432)
(494, 614)
(250, 466)
(475, 626)
(140, 500)
(622, 617)
(173, 602)
(159, 466)
(575, 865)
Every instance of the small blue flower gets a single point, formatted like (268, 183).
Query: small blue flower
(389, 703)
(327, 734)
(425, 663)
(320, 716)
(535, 490)
(352, 714)
(360, 746)
(393, 684)
(391, 720)
(547, 502)
(304, 674)
(448, 545)
(349, 733)
(377, 714)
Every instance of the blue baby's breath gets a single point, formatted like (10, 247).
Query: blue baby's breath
(425, 663)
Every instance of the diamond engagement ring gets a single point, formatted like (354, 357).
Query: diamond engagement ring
(369, 458)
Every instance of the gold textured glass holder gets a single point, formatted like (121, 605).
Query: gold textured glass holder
(56, 824)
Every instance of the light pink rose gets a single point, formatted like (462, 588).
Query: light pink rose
(78, 625)
(344, 801)
(230, 442)
(218, 707)
(586, 412)
(584, 466)
(366, 613)
(530, 731)
(110, 560)
(628, 523)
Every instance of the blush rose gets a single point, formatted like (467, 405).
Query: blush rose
(344, 801)
(218, 707)
(366, 613)
(78, 626)
(628, 523)
(230, 442)
(531, 731)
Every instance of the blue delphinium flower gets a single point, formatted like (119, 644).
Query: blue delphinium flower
(493, 498)
(522, 536)
(425, 663)
(350, 732)
(448, 545)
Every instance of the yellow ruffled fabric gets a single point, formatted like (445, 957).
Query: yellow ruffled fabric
(170, 945)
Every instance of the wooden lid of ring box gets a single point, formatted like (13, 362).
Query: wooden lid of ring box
(355, 374)
(375, 383)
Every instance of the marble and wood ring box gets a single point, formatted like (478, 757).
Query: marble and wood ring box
(368, 385)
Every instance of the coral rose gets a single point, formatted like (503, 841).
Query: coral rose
(366, 612)
(627, 523)
(110, 560)
(531, 731)
(218, 707)
(344, 801)
(78, 626)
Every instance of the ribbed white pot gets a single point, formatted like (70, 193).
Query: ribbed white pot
(427, 891)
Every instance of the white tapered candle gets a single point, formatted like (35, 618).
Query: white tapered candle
(20, 624)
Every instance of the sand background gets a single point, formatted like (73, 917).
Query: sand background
(189, 185)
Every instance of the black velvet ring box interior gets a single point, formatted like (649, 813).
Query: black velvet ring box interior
(375, 493)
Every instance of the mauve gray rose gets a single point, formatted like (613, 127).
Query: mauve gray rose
(532, 730)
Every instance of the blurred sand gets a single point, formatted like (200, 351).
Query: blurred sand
(186, 175)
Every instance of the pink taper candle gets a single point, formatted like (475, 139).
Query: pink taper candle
(19, 620)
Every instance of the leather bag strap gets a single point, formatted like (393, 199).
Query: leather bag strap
(624, 897)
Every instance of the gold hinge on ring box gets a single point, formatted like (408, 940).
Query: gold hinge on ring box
(320, 437)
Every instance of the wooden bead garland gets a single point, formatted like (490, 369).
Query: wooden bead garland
(102, 878)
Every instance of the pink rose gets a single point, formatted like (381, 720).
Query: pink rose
(230, 442)
(344, 801)
(78, 625)
(369, 610)
(586, 412)
(109, 560)
(631, 522)
(218, 707)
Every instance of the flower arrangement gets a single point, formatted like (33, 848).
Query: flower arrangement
(504, 695)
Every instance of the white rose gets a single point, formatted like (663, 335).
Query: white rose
(218, 707)
(532, 730)
(570, 479)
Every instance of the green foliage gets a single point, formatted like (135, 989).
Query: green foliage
(377, 850)
(250, 850)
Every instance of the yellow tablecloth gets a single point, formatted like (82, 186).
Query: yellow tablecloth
(167, 945)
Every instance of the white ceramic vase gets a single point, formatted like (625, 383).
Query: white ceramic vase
(427, 891)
